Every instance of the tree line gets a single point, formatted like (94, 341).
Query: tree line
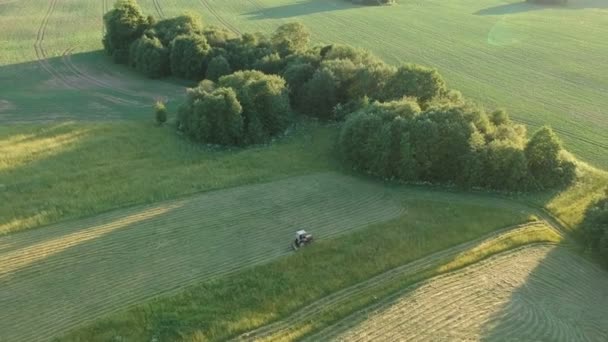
(400, 122)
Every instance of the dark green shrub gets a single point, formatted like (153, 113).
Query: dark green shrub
(296, 75)
(218, 67)
(218, 36)
(595, 228)
(123, 25)
(160, 113)
(320, 94)
(188, 56)
(150, 57)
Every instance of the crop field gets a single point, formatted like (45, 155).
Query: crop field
(114, 228)
(73, 272)
(537, 292)
(504, 54)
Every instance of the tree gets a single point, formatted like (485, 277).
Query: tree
(595, 227)
(218, 67)
(160, 113)
(124, 24)
(320, 94)
(416, 81)
(296, 75)
(150, 57)
(188, 56)
(290, 38)
(543, 155)
(265, 102)
(168, 29)
(212, 116)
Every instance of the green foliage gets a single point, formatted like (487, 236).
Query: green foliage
(417, 81)
(168, 29)
(188, 56)
(595, 228)
(218, 36)
(213, 117)
(544, 161)
(218, 67)
(124, 24)
(446, 143)
(149, 56)
(265, 102)
(247, 107)
(296, 75)
(290, 38)
(320, 94)
(160, 113)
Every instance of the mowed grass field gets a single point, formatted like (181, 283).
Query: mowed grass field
(537, 292)
(56, 278)
(102, 211)
(545, 65)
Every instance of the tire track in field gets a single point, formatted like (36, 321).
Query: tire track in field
(55, 74)
(282, 328)
(86, 78)
(56, 278)
(159, 9)
(39, 48)
(536, 292)
(223, 21)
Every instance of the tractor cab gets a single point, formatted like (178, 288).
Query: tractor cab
(302, 238)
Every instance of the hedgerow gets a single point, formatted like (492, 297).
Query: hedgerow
(401, 122)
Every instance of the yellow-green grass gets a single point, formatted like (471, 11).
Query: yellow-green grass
(536, 292)
(56, 172)
(236, 303)
(543, 64)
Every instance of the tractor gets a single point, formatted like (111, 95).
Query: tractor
(302, 239)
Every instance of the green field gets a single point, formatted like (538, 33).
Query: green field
(522, 57)
(113, 228)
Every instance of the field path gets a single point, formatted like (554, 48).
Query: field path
(55, 278)
(536, 292)
(281, 328)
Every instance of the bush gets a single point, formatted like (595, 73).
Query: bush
(218, 67)
(150, 57)
(124, 24)
(160, 113)
(188, 56)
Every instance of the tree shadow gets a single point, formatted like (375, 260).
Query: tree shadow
(564, 298)
(522, 7)
(300, 8)
(79, 86)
